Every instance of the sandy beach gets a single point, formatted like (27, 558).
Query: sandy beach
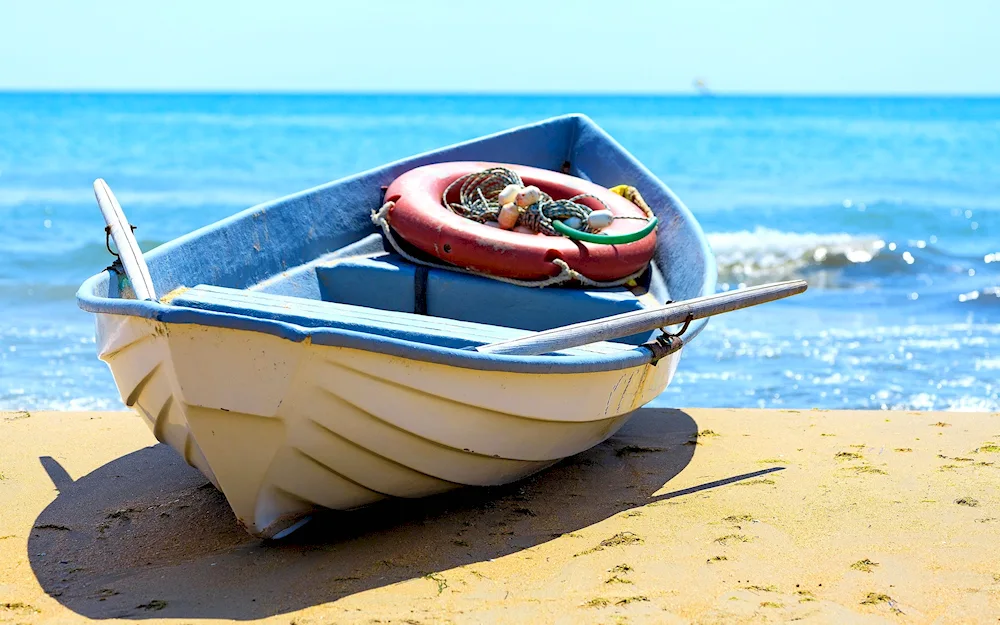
(701, 515)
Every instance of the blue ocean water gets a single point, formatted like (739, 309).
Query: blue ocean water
(889, 207)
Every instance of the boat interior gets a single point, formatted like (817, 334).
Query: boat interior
(366, 289)
(315, 260)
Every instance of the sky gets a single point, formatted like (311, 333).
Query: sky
(522, 46)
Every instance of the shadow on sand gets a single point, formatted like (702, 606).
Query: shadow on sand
(147, 536)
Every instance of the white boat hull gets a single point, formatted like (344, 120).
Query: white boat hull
(283, 428)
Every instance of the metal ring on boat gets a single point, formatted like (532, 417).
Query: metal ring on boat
(419, 217)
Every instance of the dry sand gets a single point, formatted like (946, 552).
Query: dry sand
(685, 516)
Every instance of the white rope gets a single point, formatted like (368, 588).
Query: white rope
(566, 274)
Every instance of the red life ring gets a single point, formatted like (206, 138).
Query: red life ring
(419, 217)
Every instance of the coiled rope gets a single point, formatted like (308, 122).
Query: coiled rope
(479, 200)
(479, 193)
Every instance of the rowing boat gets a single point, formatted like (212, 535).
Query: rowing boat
(300, 362)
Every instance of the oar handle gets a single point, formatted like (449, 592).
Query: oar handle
(647, 320)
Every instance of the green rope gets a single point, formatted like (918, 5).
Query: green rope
(607, 239)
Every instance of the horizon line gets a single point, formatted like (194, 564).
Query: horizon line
(497, 94)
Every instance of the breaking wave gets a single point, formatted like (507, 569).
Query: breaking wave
(763, 255)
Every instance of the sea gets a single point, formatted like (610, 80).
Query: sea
(889, 207)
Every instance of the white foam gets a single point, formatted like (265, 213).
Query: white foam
(989, 364)
(23, 401)
(766, 254)
(968, 403)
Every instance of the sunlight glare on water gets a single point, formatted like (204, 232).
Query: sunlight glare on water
(890, 208)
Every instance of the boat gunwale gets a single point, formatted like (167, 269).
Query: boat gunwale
(336, 337)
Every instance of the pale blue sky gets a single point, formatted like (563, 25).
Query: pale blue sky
(736, 46)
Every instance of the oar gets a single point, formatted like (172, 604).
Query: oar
(128, 250)
(626, 324)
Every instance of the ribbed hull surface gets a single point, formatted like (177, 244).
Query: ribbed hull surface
(282, 428)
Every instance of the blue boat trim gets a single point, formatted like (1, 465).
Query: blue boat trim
(181, 315)
(263, 241)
